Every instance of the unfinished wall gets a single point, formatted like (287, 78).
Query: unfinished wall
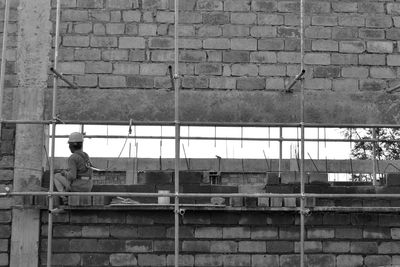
(220, 238)
(236, 57)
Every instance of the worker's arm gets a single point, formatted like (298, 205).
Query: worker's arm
(71, 172)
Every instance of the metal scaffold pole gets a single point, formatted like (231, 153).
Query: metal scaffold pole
(302, 174)
(177, 133)
(3, 56)
(54, 123)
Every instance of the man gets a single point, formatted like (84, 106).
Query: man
(78, 176)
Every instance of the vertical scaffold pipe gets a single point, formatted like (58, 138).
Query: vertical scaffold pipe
(374, 157)
(280, 152)
(302, 200)
(3, 56)
(53, 129)
(177, 133)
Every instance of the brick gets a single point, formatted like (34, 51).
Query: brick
(131, 15)
(208, 232)
(325, 45)
(95, 231)
(272, 70)
(348, 233)
(393, 34)
(186, 43)
(120, 4)
(280, 247)
(208, 260)
(370, 7)
(252, 246)
(153, 69)
(224, 246)
(126, 68)
(379, 22)
(72, 67)
(95, 259)
(147, 29)
(379, 47)
(99, 29)
(208, 69)
(67, 231)
(83, 28)
(98, 67)
(6, 175)
(151, 231)
(87, 245)
(90, 4)
(124, 231)
(270, 19)
(215, 18)
(336, 219)
(210, 5)
(309, 247)
(71, 258)
(222, 83)
(250, 83)
(137, 81)
(154, 4)
(76, 41)
(351, 21)
(235, 232)
(377, 260)
(317, 58)
(112, 81)
(265, 260)
(192, 56)
(351, 46)
(237, 5)
(372, 59)
(382, 73)
(393, 8)
(376, 233)
(318, 32)
(132, 42)
(87, 54)
(263, 31)
(349, 260)
(115, 28)
(364, 219)
(243, 44)
(210, 31)
(288, 32)
(195, 82)
(244, 70)
(389, 247)
(270, 44)
(354, 72)
(190, 17)
(372, 85)
(184, 260)
(97, 41)
(139, 246)
(335, 247)
(74, 15)
(236, 260)
(98, 15)
(371, 34)
(326, 72)
(161, 42)
(216, 43)
(342, 7)
(196, 246)
(243, 18)
(236, 56)
(320, 233)
(123, 259)
(324, 20)
(165, 17)
(364, 247)
(289, 260)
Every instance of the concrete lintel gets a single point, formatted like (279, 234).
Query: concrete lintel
(227, 106)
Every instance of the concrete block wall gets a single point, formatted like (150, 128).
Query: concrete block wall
(6, 179)
(218, 238)
(230, 44)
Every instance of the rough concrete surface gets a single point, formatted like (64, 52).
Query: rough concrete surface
(229, 106)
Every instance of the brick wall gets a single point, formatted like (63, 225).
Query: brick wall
(6, 179)
(231, 44)
(221, 238)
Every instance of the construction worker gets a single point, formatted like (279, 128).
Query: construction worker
(78, 176)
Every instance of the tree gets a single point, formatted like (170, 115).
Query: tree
(388, 149)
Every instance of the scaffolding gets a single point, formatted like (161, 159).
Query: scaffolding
(176, 80)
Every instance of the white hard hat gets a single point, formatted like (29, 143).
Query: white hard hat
(75, 138)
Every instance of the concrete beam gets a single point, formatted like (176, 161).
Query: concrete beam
(34, 44)
(229, 106)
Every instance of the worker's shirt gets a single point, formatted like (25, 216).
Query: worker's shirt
(77, 166)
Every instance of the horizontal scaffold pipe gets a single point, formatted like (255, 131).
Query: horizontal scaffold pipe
(209, 124)
(196, 195)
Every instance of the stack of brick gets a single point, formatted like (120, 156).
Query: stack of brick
(7, 145)
(222, 238)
